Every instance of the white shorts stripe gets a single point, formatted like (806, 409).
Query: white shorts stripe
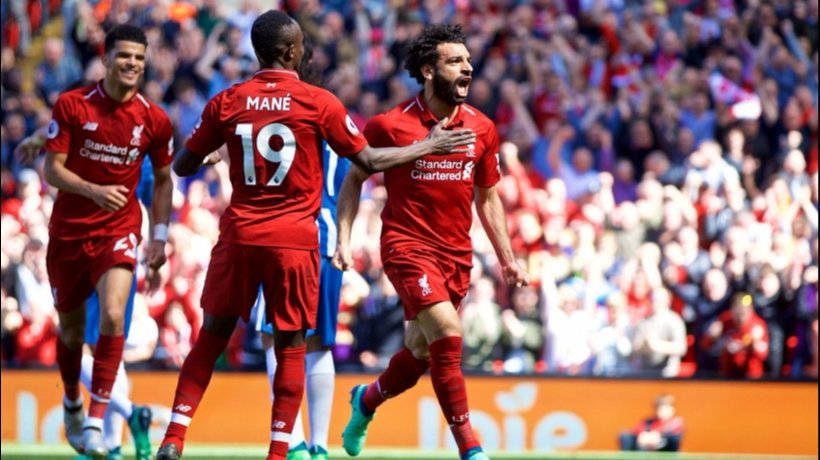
(183, 420)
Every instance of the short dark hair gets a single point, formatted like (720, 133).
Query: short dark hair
(424, 49)
(269, 33)
(126, 33)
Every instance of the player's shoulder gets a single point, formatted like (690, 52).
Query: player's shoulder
(154, 111)
(399, 112)
(475, 117)
(80, 93)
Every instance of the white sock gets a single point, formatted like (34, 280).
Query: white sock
(320, 383)
(119, 392)
(112, 428)
(298, 435)
(120, 401)
(270, 368)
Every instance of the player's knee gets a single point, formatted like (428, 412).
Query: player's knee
(72, 338)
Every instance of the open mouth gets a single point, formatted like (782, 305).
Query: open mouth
(463, 86)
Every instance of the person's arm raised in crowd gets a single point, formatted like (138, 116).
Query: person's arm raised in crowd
(212, 51)
(564, 135)
(511, 94)
(347, 209)
(28, 149)
(491, 214)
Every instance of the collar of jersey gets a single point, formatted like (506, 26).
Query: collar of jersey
(428, 118)
(276, 73)
(107, 98)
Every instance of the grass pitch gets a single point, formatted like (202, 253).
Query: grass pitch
(222, 452)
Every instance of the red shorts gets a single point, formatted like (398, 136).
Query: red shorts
(423, 278)
(75, 266)
(290, 280)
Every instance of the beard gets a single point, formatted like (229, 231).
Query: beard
(446, 90)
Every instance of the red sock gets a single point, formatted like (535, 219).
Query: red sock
(288, 389)
(448, 382)
(403, 372)
(107, 359)
(70, 362)
(194, 378)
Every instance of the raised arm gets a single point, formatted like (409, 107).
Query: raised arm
(347, 208)
(109, 197)
(491, 213)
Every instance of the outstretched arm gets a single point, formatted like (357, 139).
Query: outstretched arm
(348, 207)
(186, 163)
(438, 142)
(491, 213)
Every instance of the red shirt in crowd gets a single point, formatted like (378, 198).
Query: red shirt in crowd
(106, 142)
(429, 201)
(745, 347)
(273, 125)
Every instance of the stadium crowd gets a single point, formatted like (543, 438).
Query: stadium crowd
(660, 177)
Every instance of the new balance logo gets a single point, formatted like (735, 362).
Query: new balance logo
(90, 126)
(184, 408)
(278, 425)
(425, 286)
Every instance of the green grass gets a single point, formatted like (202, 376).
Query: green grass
(221, 452)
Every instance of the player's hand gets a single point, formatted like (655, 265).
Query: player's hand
(28, 149)
(153, 280)
(212, 159)
(514, 275)
(343, 257)
(445, 141)
(155, 254)
(112, 198)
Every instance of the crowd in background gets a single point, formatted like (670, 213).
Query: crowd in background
(660, 176)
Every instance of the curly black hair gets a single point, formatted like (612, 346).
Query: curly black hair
(271, 33)
(424, 49)
(127, 33)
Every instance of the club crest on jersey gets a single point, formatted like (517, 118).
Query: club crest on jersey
(471, 151)
(136, 135)
(424, 284)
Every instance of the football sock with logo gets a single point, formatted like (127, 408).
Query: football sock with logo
(320, 382)
(402, 373)
(288, 389)
(451, 391)
(298, 434)
(107, 357)
(120, 402)
(70, 361)
(194, 378)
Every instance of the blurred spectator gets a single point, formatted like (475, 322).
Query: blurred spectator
(660, 340)
(660, 433)
(55, 73)
(741, 337)
(523, 339)
(481, 319)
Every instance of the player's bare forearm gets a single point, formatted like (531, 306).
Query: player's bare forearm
(163, 191)
(186, 163)
(347, 208)
(439, 141)
(491, 213)
(57, 175)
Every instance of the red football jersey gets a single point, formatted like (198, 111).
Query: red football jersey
(106, 142)
(429, 201)
(274, 125)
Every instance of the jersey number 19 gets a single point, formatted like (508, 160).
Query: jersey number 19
(284, 156)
